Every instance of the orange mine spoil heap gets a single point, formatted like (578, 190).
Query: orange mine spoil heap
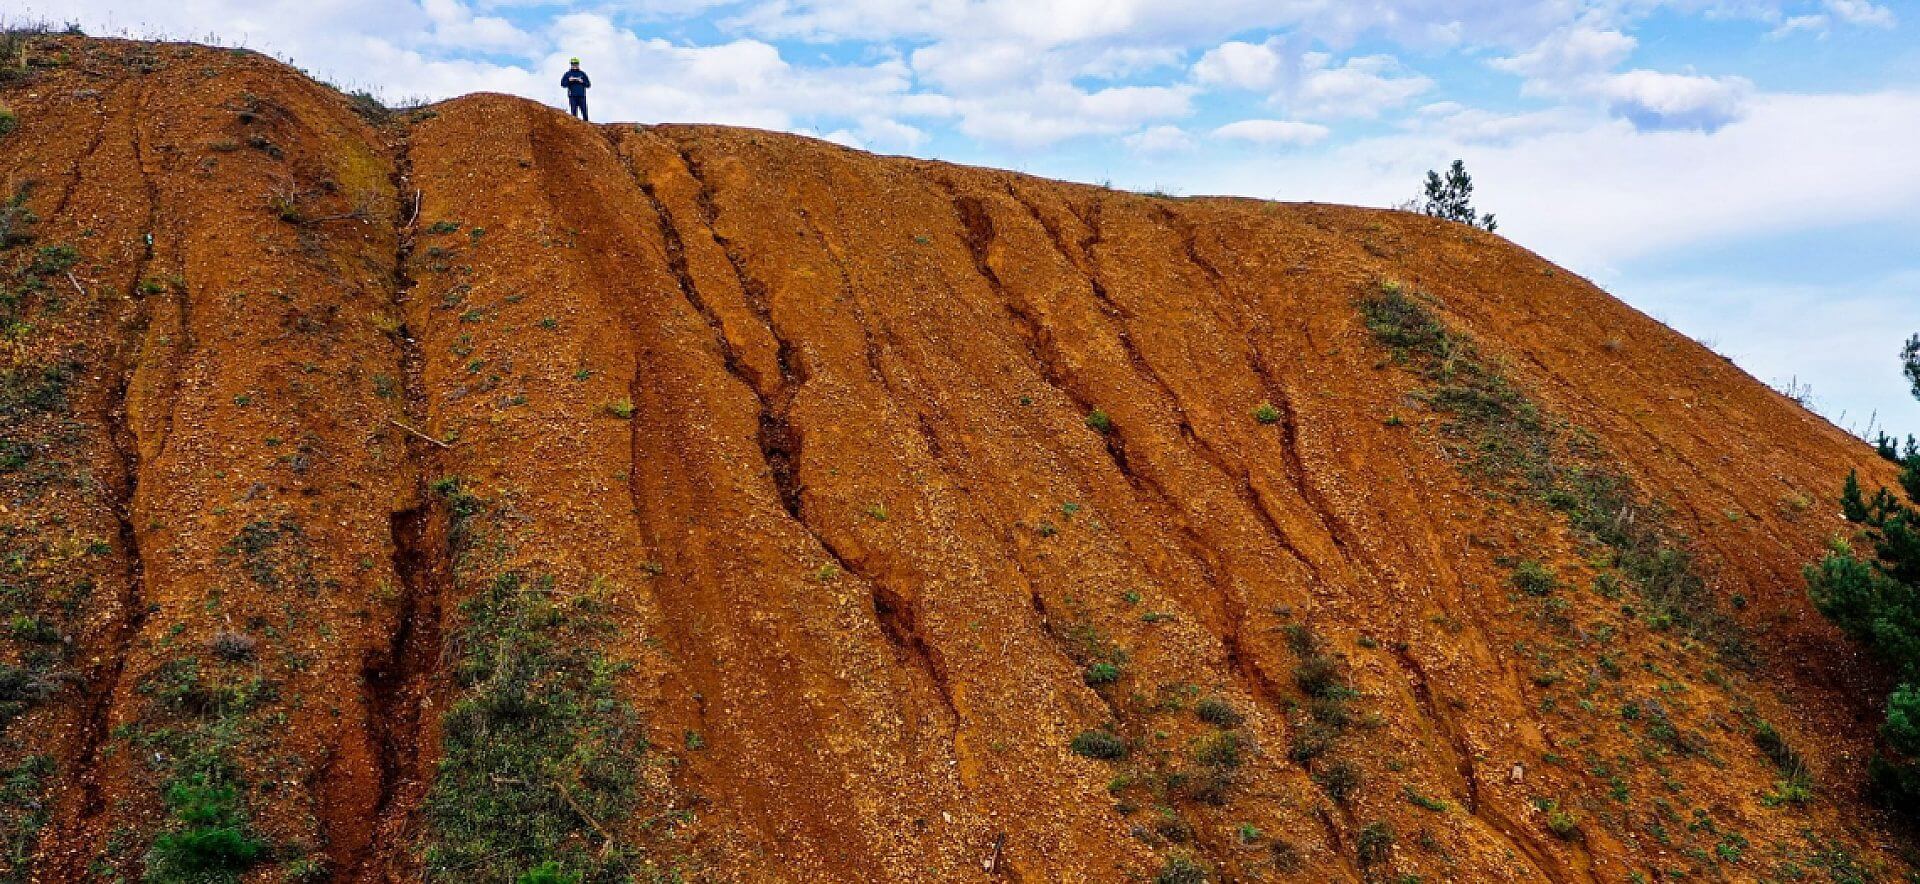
(470, 493)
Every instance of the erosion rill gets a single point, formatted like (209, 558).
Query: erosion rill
(470, 493)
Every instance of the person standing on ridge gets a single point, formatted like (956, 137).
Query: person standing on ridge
(576, 83)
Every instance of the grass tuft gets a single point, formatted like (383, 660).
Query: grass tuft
(1102, 745)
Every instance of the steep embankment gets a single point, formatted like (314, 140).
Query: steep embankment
(451, 494)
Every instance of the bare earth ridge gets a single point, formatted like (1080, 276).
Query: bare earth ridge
(451, 494)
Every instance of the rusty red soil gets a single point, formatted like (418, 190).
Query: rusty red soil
(818, 421)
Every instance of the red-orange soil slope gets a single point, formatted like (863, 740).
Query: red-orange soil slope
(476, 493)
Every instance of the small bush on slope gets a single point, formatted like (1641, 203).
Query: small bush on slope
(212, 840)
(1102, 745)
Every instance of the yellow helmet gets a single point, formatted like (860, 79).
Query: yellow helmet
(574, 61)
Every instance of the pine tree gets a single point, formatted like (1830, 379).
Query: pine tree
(1853, 504)
(1910, 361)
(1452, 198)
(1876, 600)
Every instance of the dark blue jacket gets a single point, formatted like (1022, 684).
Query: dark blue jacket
(576, 83)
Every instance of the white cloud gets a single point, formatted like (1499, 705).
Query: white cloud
(1568, 57)
(1603, 194)
(456, 27)
(1654, 101)
(1862, 12)
(1477, 126)
(842, 137)
(1056, 111)
(975, 67)
(1363, 87)
(1126, 61)
(1159, 141)
(874, 133)
(1430, 23)
(892, 134)
(1812, 24)
(1008, 93)
(1238, 65)
(1274, 132)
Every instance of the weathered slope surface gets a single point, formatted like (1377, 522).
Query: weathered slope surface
(806, 431)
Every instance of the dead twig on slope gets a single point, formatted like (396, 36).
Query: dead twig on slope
(417, 434)
(605, 848)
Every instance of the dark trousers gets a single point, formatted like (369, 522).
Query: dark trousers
(577, 105)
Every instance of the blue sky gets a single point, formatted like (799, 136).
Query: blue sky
(1741, 169)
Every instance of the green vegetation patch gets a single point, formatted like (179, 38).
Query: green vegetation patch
(196, 721)
(1104, 745)
(1875, 598)
(541, 754)
(48, 558)
(275, 554)
(1502, 438)
(24, 811)
(17, 218)
(34, 390)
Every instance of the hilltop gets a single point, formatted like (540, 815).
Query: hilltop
(471, 493)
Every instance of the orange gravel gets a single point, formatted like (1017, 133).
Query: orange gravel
(817, 421)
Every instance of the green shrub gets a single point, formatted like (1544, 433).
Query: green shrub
(549, 872)
(620, 408)
(8, 121)
(34, 390)
(1375, 844)
(1266, 413)
(1796, 791)
(1318, 675)
(1562, 823)
(1286, 857)
(1219, 750)
(1330, 711)
(1099, 422)
(1424, 801)
(1100, 674)
(1181, 869)
(23, 686)
(1311, 740)
(1534, 578)
(53, 259)
(1340, 779)
(209, 840)
(1100, 744)
(1217, 712)
(24, 809)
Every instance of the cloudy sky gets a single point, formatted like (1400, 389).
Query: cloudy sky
(1744, 170)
